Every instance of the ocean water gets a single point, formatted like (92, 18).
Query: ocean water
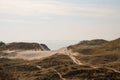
(57, 44)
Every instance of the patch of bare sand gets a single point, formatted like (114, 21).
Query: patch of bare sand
(29, 55)
(32, 54)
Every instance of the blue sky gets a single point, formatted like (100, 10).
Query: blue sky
(34, 20)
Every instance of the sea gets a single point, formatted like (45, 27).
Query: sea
(57, 44)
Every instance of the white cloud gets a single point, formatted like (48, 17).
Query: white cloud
(51, 7)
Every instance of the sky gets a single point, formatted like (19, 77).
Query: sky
(36, 20)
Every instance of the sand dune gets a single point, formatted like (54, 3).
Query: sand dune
(27, 55)
(32, 54)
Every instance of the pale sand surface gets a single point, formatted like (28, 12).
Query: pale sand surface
(28, 55)
(32, 54)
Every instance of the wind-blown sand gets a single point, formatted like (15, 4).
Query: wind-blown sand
(32, 54)
(27, 55)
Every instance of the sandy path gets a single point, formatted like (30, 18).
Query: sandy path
(31, 55)
(71, 55)
(113, 69)
(59, 75)
(74, 59)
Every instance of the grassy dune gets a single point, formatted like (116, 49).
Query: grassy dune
(100, 61)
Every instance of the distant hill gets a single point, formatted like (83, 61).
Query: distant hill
(24, 46)
(93, 42)
(95, 46)
(112, 45)
(100, 60)
(106, 54)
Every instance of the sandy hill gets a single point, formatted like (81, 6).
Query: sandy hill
(95, 46)
(24, 46)
(106, 54)
(93, 42)
(88, 60)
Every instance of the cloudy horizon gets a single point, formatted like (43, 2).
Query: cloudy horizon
(34, 20)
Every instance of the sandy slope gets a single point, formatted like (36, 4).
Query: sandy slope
(72, 55)
(32, 54)
(28, 55)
